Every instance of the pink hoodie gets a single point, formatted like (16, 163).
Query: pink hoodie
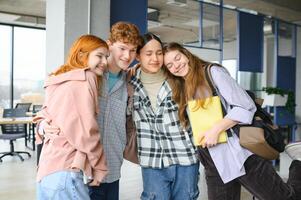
(71, 104)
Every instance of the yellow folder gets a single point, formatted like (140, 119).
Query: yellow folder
(202, 119)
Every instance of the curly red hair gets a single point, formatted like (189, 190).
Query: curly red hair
(125, 32)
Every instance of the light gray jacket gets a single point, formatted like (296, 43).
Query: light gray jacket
(112, 124)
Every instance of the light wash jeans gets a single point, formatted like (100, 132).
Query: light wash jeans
(172, 183)
(62, 185)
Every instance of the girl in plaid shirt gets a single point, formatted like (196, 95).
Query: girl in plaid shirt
(165, 150)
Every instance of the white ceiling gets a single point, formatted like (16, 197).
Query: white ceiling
(175, 23)
(181, 23)
(26, 7)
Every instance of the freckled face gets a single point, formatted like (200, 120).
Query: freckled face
(97, 60)
(122, 54)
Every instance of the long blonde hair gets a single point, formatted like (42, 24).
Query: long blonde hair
(193, 86)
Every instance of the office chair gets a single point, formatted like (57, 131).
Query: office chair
(36, 108)
(23, 106)
(13, 132)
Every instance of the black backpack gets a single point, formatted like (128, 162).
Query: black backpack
(261, 137)
(272, 133)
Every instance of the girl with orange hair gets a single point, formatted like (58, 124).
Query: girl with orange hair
(72, 156)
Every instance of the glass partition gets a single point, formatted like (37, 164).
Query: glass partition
(286, 39)
(22, 64)
(29, 61)
(210, 26)
(5, 65)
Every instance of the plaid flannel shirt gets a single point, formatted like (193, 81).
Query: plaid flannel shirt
(162, 141)
(111, 120)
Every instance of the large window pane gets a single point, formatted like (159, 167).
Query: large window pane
(211, 26)
(230, 42)
(171, 22)
(231, 66)
(5, 66)
(285, 35)
(29, 61)
(251, 81)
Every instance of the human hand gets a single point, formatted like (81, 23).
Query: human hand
(132, 70)
(94, 183)
(209, 138)
(49, 128)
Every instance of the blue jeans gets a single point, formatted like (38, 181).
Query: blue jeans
(62, 185)
(105, 191)
(172, 183)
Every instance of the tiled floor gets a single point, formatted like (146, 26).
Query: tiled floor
(17, 179)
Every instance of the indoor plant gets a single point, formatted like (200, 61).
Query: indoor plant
(281, 97)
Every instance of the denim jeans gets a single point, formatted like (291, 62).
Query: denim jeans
(105, 191)
(62, 185)
(260, 179)
(172, 183)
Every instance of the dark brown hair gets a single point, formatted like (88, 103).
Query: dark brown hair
(144, 39)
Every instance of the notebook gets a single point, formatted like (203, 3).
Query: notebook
(203, 119)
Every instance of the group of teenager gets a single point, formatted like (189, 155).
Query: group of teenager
(83, 125)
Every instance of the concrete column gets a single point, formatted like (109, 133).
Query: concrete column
(298, 84)
(270, 68)
(66, 20)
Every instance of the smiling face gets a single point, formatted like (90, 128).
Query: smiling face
(151, 57)
(177, 63)
(97, 60)
(121, 55)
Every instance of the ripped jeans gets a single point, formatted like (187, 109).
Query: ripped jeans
(176, 182)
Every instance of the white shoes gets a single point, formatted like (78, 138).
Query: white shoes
(294, 150)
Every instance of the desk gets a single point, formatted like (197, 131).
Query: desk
(30, 114)
(16, 120)
(21, 120)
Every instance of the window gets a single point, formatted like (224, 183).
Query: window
(230, 65)
(29, 61)
(21, 65)
(5, 65)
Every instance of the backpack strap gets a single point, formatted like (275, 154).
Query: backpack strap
(214, 91)
(210, 80)
(212, 85)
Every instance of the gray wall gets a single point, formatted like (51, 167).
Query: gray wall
(298, 84)
(66, 20)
